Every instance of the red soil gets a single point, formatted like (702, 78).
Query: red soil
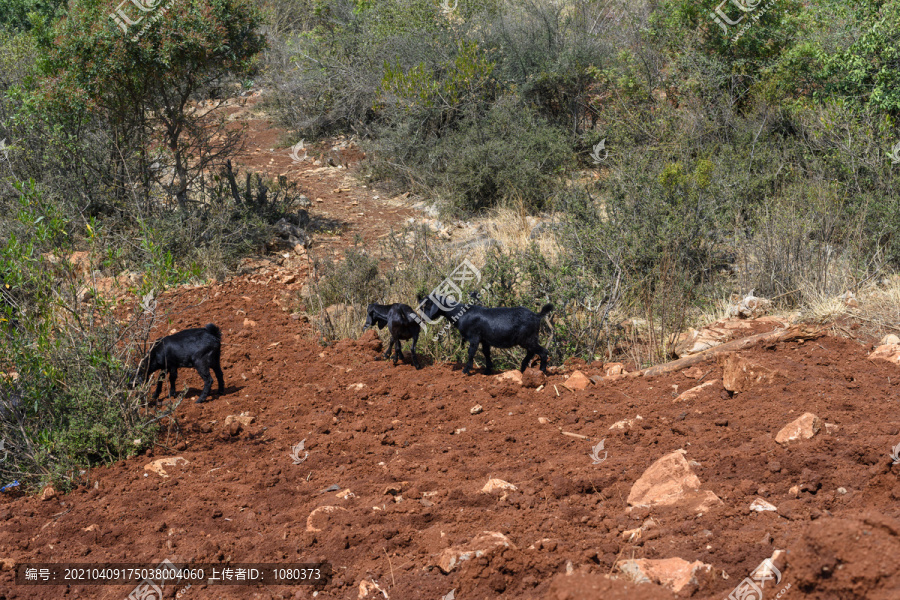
(406, 444)
(405, 433)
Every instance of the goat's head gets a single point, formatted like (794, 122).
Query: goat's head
(372, 318)
(438, 306)
(146, 367)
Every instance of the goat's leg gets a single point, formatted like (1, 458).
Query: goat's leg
(159, 384)
(542, 352)
(473, 348)
(412, 352)
(399, 355)
(217, 369)
(207, 383)
(488, 364)
(529, 354)
(173, 376)
(220, 378)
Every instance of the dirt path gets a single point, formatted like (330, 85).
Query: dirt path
(343, 211)
(415, 458)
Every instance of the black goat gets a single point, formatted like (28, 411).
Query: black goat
(199, 348)
(498, 327)
(400, 321)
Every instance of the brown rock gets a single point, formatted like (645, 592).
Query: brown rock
(318, 518)
(676, 574)
(7, 564)
(749, 307)
(611, 369)
(49, 493)
(802, 428)
(158, 465)
(694, 341)
(888, 352)
(695, 392)
(249, 323)
(671, 480)
(890, 339)
(370, 589)
(577, 381)
(625, 423)
(234, 428)
(245, 419)
(741, 374)
(498, 485)
(483, 544)
(514, 376)
(760, 505)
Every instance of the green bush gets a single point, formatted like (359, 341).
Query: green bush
(67, 363)
(509, 156)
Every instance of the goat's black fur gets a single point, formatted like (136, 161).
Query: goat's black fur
(398, 318)
(498, 327)
(199, 348)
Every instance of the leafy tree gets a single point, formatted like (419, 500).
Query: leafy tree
(141, 81)
(867, 73)
(15, 14)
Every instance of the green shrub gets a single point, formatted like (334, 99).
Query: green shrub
(67, 363)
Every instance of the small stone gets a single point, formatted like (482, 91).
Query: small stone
(760, 505)
(494, 485)
(674, 573)
(696, 391)
(158, 465)
(888, 352)
(483, 544)
(477, 409)
(577, 381)
(245, 419)
(49, 493)
(668, 481)
(842, 490)
(513, 376)
(802, 428)
(890, 339)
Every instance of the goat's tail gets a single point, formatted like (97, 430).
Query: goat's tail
(548, 308)
(214, 331)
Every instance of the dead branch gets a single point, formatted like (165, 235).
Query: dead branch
(802, 331)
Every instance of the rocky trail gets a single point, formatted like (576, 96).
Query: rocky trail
(403, 457)
(430, 484)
